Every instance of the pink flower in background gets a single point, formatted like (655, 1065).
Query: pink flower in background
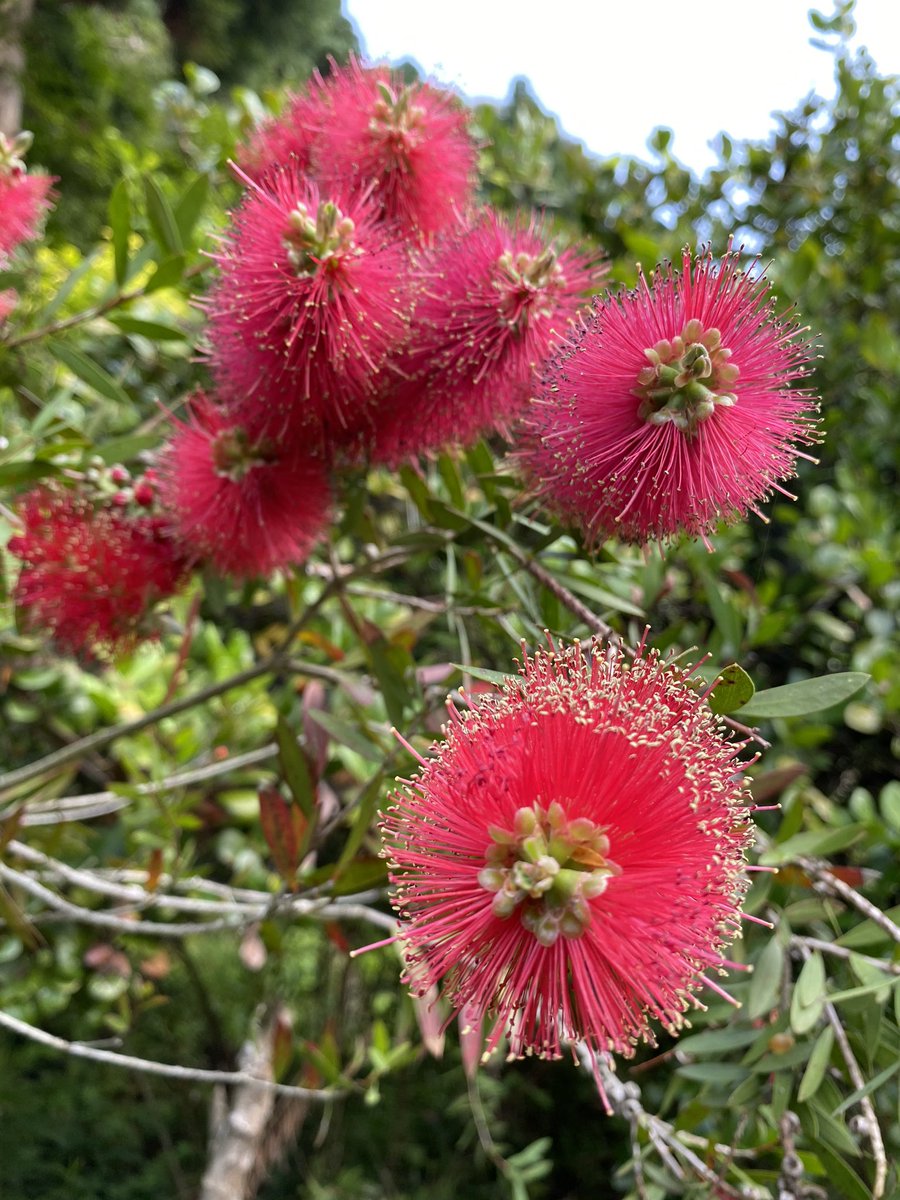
(411, 141)
(24, 199)
(90, 576)
(494, 300)
(248, 506)
(311, 296)
(571, 859)
(671, 410)
(289, 138)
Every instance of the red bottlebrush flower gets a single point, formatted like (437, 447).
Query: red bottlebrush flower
(290, 137)
(671, 408)
(411, 141)
(494, 301)
(91, 575)
(310, 298)
(571, 859)
(247, 505)
(24, 199)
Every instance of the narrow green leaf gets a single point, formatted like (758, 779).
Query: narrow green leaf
(155, 330)
(348, 735)
(126, 449)
(715, 1041)
(68, 285)
(486, 676)
(365, 811)
(842, 1176)
(870, 1086)
(167, 274)
(868, 934)
(820, 842)
(865, 990)
(733, 688)
(190, 206)
(889, 802)
(389, 664)
(716, 1073)
(817, 1065)
(120, 223)
(14, 473)
(89, 372)
(418, 490)
(161, 218)
(766, 980)
(808, 999)
(295, 768)
(360, 874)
(805, 697)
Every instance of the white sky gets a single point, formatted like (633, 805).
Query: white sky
(612, 70)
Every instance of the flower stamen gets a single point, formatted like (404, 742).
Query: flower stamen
(311, 241)
(548, 868)
(687, 379)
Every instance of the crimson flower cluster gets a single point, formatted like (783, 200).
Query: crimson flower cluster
(24, 201)
(570, 860)
(92, 569)
(670, 409)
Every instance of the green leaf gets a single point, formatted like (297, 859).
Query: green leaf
(817, 1065)
(842, 1176)
(359, 875)
(348, 735)
(820, 842)
(807, 696)
(155, 330)
(295, 768)
(365, 811)
(717, 1040)
(716, 1073)
(864, 990)
(808, 998)
(126, 449)
(389, 664)
(161, 218)
(89, 372)
(13, 474)
(120, 223)
(190, 206)
(733, 688)
(766, 980)
(167, 274)
(889, 802)
(871, 1086)
(868, 933)
(486, 676)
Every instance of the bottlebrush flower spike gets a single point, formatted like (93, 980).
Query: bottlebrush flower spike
(411, 141)
(494, 301)
(24, 199)
(571, 859)
(244, 503)
(310, 297)
(90, 575)
(671, 409)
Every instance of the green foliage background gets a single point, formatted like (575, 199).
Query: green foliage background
(811, 594)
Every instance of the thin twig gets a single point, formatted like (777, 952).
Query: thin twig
(825, 883)
(274, 662)
(891, 968)
(625, 1101)
(169, 1070)
(873, 1129)
(91, 314)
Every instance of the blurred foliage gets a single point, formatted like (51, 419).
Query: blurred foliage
(103, 345)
